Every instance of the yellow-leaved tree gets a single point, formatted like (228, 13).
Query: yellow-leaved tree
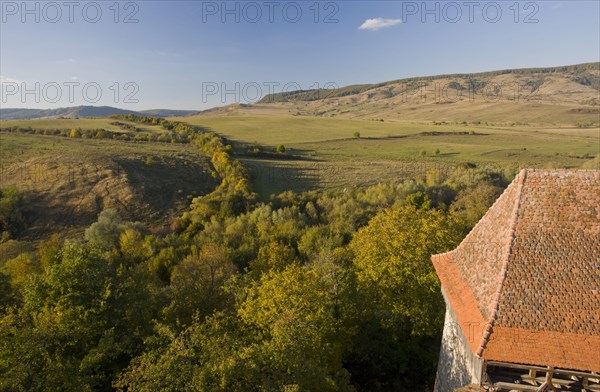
(302, 337)
(74, 133)
(393, 263)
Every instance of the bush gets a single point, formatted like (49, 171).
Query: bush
(356, 135)
(12, 211)
(106, 231)
(281, 148)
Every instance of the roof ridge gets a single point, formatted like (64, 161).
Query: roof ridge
(482, 219)
(488, 328)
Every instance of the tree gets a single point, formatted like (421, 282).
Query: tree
(12, 211)
(473, 202)
(302, 334)
(281, 149)
(106, 231)
(7, 296)
(272, 256)
(82, 320)
(163, 263)
(22, 268)
(196, 288)
(133, 247)
(419, 200)
(284, 336)
(398, 337)
(392, 258)
(63, 320)
(49, 251)
(356, 135)
(207, 356)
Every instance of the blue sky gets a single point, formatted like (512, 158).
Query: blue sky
(188, 54)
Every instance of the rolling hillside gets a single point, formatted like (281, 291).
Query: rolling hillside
(583, 74)
(567, 95)
(68, 182)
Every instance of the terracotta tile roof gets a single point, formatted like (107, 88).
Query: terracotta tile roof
(463, 299)
(525, 282)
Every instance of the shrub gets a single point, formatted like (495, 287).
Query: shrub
(12, 211)
(106, 231)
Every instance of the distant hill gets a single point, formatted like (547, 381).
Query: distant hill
(168, 112)
(84, 111)
(567, 95)
(581, 74)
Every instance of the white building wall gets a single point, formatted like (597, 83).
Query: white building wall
(458, 365)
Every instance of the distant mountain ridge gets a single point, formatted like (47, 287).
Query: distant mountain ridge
(85, 111)
(564, 95)
(585, 74)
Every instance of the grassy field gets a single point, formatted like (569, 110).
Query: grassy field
(326, 153)
(80, 123)
(329, 155)
(305, 130)
(281, 129)
(487, 145)
(16, 147)
(69, 181)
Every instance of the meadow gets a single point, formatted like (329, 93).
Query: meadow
(68, 181)
(326, 152)
(106, 123)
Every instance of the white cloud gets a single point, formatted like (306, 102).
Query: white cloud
(5, 79)
(379, 23)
